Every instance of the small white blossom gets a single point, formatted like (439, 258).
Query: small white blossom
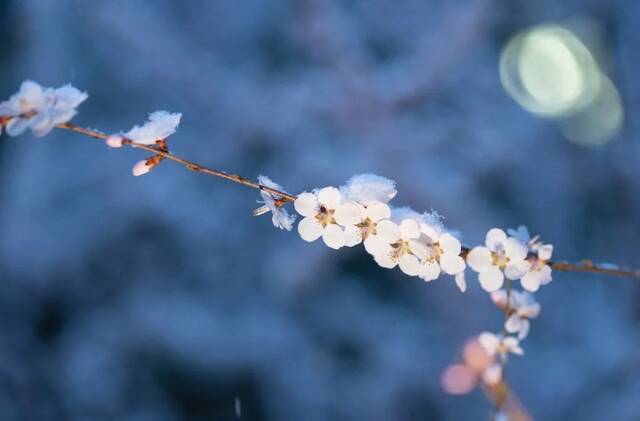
(522, 308)
(161, 124)
(368, 224)
(499, 344)
(539, 272)
(502, 256)
(400, 247)
(367, 189)
(441, 252)
(318, 209)
(280, 217)
(40, 109)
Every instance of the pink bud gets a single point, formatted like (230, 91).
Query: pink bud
(114, 141)
(141, 168)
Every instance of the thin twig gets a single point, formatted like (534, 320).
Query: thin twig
(187, 164)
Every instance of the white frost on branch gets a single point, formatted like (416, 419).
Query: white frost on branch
(161, 124)
(40, 109)
(367, 189)
(280, 217)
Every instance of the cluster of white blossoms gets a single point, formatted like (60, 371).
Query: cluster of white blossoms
(515, 256)
(417, 243)
(40, 109)
(359, 212)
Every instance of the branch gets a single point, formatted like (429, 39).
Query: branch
(286, 197)
(163, 153)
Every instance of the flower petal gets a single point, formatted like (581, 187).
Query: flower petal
(516, 269)
(495, 237)
(333, 236)
(388, 231)
(385, 260)
(513, 324)
(352, 236)
(348, 214)
(514, 249)
(461, 281)
(306, 204)
(491, 279)
(374, 245)
(329, 197)
(377, 211)
(309, 229)
(531, 281)
(430, 271)
(449, 243)
(545, 275)
(409, 228)
(410, 265)
(545, 251)
(479, 259)
(452, 263)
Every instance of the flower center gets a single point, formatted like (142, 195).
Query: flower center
(325, 216)
(367, 228)
(499, 258)
(399, 248)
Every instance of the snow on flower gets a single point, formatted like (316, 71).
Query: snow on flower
(367, 189)
(161, 124)
(318, 209)
(502, 256)
(522, 308)
(499, 344)
(40, 109)
(441, 252)
(273, 203)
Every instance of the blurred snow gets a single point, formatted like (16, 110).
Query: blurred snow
(162, 298)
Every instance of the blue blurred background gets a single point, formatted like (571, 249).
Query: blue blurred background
(162, 298)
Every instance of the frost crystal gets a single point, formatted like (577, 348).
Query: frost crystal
(281, 218)
(367, 189)
(40, 109)
(161, 124)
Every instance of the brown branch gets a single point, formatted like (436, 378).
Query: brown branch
(286, 197)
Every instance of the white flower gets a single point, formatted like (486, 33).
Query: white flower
(40, 109)
(501, 254)
(367, 189)
(368, 224)
(499, 344)
(441, 251)
(318, 209)
(274, 204)
(400, 246)
(161, 124)
(522, 308)
(539, 272)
